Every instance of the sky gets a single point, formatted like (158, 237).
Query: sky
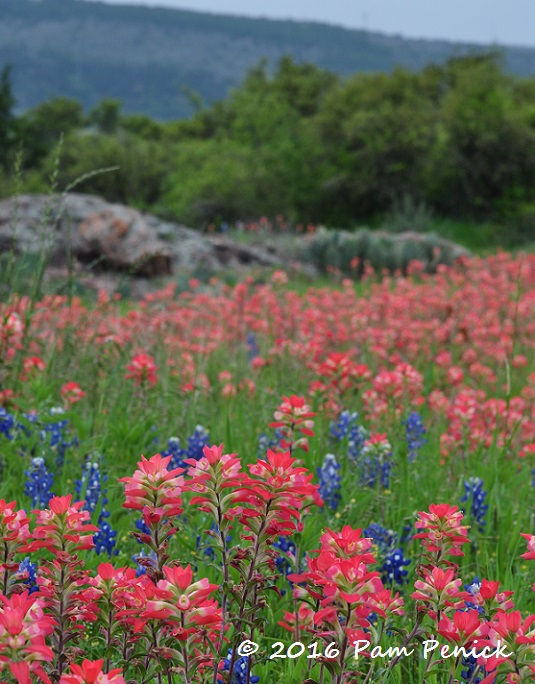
(502, 22)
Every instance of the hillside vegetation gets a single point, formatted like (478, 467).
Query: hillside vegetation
(451, 147)
(152, 58)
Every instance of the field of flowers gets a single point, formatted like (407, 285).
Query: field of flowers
(256, 484)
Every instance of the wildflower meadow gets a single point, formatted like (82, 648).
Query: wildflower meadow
(266, 483)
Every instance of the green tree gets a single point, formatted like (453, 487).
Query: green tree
(106, 116)
(143, 166)
(214, 180)
(7, 117)
(302, 86)
(142, 126)
(376, 131)
(42, 126)
(484, 157)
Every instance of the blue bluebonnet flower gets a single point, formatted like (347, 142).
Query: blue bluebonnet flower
(476, 494)
(341, 427)
(28, 570)
(38, 483)
(106, 538)
(346, 427)
(23, 429)
(330, 481)
(355, 444)
(196, 443)
(239, 674)
(471, 668)
(383, 538)
(391, 559)
(283, 560)
(91, 487)
(474, 586)
(56, 436)
(252, 347)
(393, 567)
(177, 453)
(377, 469)
(7, 423)
(533, 477)
(415, 431)
(376, 462)
(265, 443)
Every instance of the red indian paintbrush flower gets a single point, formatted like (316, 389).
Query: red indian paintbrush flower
(465, 628)
(90, 672)
(130, 598)
(63, 528)
(32, 366)
(339, 575)
(14, 531)
(339, 374)
(279, 473)
(345, 590)
(348, 543)
(444, 533)
(11, 332)
(109, 578)
(294, 416)
(71, 393)
(385, 603)
(214, 472)
(179, 599)
(304, 619)
(154, 490)
(142, 369)
(489, 600)
(516, 636)
(530, 554)
(14, 525)
(275, 500)
(439, 590)
(23, 630)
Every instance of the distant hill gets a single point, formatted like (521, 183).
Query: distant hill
(150, 57)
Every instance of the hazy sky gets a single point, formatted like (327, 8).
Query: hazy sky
(483, 21)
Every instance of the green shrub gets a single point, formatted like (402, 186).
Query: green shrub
(382, 250)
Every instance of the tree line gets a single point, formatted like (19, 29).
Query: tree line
(458, 138)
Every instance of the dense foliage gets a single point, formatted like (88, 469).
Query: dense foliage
(457, 140)
(454, 141)
(368, 519)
